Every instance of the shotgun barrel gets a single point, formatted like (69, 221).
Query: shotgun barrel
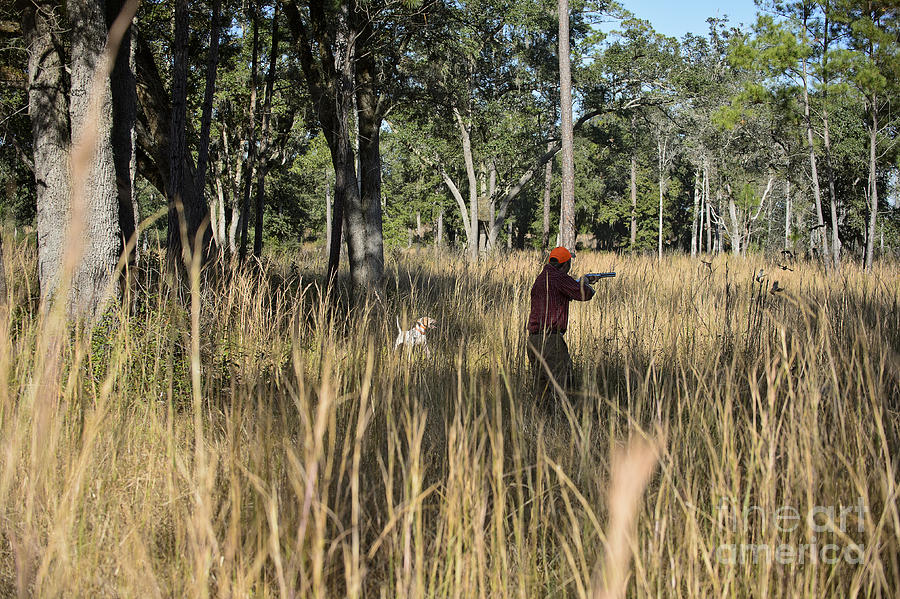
(596, 276)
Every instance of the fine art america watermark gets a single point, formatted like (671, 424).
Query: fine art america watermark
(829, 533)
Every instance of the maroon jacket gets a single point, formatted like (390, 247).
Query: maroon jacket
(550, 296)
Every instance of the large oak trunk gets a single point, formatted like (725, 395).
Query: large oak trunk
(92, 277)
(48, 108)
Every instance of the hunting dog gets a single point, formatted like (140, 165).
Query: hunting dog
(415, 336)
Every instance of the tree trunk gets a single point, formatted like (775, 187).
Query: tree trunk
(817, 194)
(567, 200)
(633, 239)
(124, 115)
(208, 94)
(695, 215)
(873, 182)
(735, 225)
(328, 203)
(835, 239)
(702, 218)
(263, 157)
(47, 108)
(3, 301)
(251, 164)
(660, 230)
(154, 124)
(829, 167)
(473, 185)
(186, 204)
(717, 243)
(222, 195)
(439, 236)
(233, 183)
(662, 151)
(331, 45)
(370, 114)
(347, 187)
(495, 220)
(94, 215)
(548, 184)
(787, 214)
(709, 246)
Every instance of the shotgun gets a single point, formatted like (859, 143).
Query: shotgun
(593, 277)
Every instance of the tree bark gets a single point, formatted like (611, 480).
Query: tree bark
(187, 207)
(694, 215)
(817, 194)
(3, 301)
(347, 188)
(662, 151)
(567, 200)
(633, 239)
(263, 157)
(873, 182)
(327, 42)
(706, 199)
(154, 123)
(548, 184)
(124, 118)
(232, 182)
(473, 185)
(829, 167)
(328, 202)
(98, 219)
(370, 114)
(48, 109)
(787, 213)
(251, 163)
(495, 219)
(717, 243)
(702, 220)
(222, 195)
(208, 94)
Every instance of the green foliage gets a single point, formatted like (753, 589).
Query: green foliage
(17, 185)
(733, 99)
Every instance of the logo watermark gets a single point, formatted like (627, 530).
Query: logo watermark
(822, 523)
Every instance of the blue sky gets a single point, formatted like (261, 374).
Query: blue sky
(675, 18)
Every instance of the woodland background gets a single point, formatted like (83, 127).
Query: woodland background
(438, 123)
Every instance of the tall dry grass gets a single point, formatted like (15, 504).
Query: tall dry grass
(247, 440)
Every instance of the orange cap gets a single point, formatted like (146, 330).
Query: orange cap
(561, 254)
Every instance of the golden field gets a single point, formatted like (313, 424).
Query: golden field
(249, 437)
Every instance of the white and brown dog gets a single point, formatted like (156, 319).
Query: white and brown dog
(415, 336)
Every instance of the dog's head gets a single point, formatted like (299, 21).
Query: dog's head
(425, 323)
